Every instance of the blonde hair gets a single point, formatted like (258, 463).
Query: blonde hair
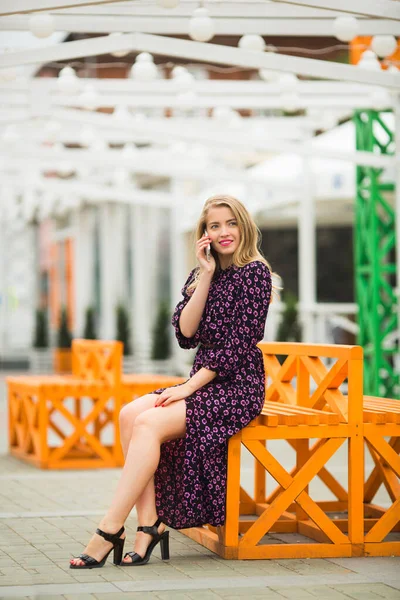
(250, 236)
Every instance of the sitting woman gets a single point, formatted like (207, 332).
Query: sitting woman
(176, 459)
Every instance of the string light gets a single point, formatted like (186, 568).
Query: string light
(224, 70)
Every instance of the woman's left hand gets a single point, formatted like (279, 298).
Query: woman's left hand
(173, 394)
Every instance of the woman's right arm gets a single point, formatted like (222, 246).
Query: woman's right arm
(191, 315)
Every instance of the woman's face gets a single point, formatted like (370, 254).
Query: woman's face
(223, 229)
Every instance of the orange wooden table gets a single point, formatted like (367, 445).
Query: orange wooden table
(71, 421)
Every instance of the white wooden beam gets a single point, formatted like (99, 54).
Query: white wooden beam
(152, 162)
(11, 7)
(167, 87)
(209, 53)
(295, 128)
(217, 8)
(273, 101)
(386, 9)
(180, 25)
(228, 140)
(127, 8)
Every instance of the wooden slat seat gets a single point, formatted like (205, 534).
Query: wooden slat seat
(381, 410)
(299, 415)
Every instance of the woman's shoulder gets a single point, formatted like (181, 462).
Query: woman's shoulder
(257, 267)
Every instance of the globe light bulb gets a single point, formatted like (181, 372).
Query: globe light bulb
(288, 82)
(67, 82)
(268, 74)
(144, 68)
(168, 3)
(290, 102)
(184, 82)
(345, 28)
(380, 98)
(89, 97)
(383, 45)
(8, 74)
(178, 70)
(368, 60)
(52, 131)
(118, 53)
(201, 26)
(252, 42)
(41, 25)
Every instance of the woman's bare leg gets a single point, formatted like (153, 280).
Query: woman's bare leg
(151, 428)
(146, 503)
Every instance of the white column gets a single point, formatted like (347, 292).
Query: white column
(84, 219)
(19, 285)
(179, 268)
(307, 255)
(112, 265)
(140, 310)
(154, 215)
(147, 223)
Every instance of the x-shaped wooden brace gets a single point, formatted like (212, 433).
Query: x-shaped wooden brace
(26, 424)
(293, 490)
(102, 362)
(389, 455)
(80, 428)
(108, 418)
(329, 480)
(280, 387)
(327, 380)
(382, 473)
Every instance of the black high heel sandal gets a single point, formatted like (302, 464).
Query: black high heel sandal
(117, 545)
(163, 538)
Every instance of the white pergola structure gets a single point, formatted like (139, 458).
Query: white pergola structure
(160, 166)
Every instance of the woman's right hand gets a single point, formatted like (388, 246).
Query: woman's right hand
(205, 265)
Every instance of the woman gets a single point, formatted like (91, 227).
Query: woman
(175, 460)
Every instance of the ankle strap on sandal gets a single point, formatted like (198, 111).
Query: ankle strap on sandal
(111, 537)
(153, 530)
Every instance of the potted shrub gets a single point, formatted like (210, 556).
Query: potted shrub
(161, 346)
(89, 332)
(40, 356)
(289, 327)
(62, 352)
(123, 335)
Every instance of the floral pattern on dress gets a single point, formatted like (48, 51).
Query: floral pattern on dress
(190, 480)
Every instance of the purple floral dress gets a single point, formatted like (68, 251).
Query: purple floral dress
(190, 480)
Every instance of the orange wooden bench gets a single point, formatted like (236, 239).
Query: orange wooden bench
(304, 402)
(80, 411)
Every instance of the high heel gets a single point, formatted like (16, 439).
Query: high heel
(117, 545)
(163, 538)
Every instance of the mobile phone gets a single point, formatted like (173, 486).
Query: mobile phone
(208, 251)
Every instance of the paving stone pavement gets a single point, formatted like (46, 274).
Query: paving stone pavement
(48, 516)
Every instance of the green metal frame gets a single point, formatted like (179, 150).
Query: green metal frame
(375, 262)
